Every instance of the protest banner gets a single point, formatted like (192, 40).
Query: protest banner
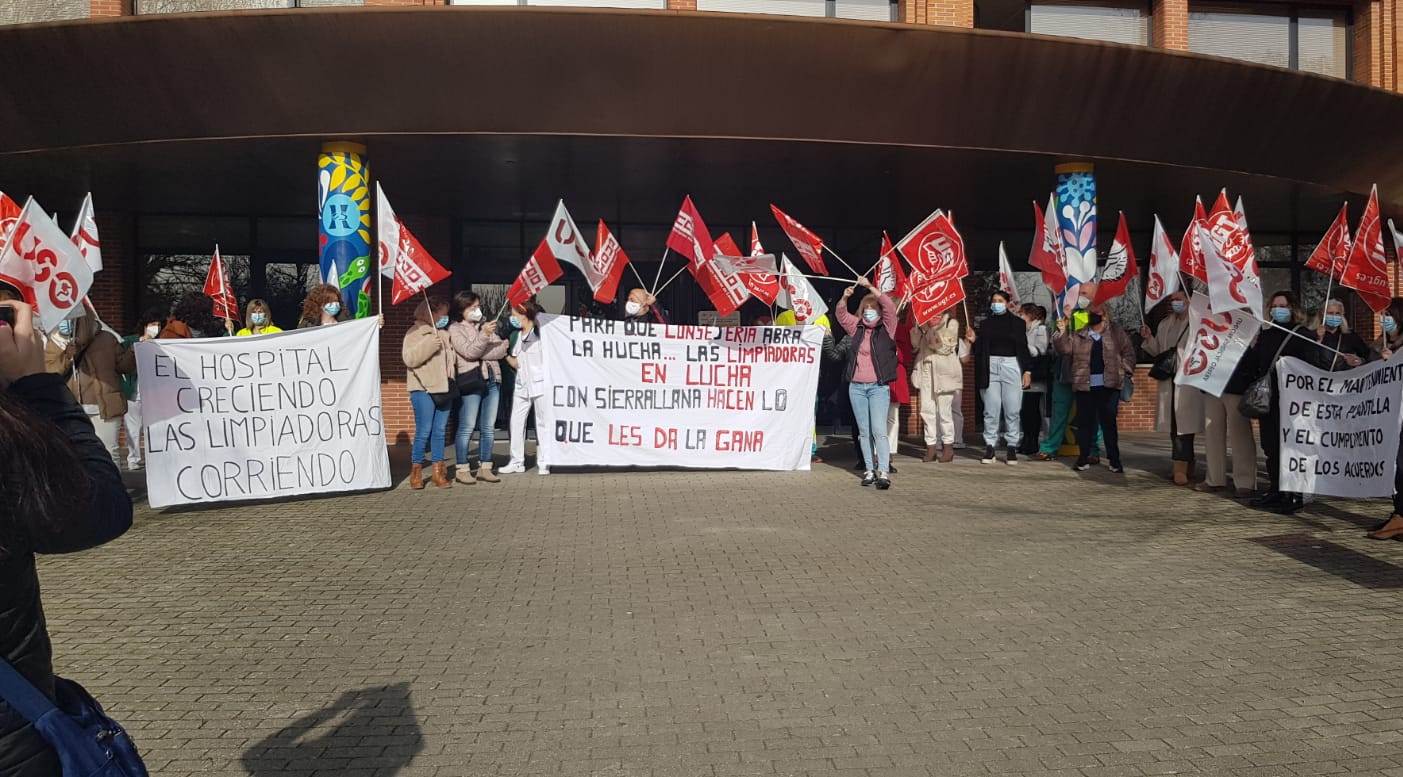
(1218, 343)
(263, 417)
(621, 393)
(1339, 430)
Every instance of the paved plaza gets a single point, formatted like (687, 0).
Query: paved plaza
(976, 619)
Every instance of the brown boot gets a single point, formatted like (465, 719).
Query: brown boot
(416, 477)
(930, 454)
(441, 475)
(1181, 473)
(947, 454)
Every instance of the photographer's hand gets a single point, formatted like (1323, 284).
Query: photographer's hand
(21, 346)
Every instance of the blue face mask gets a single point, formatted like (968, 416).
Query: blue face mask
(870, 316)
(1176, 306)
(998, 308)
(1334, 320)
(1281, 315)
(332, 309)
(258, 319)
(441, 323)
(515, 322)
(65, 327)
(1389, 324)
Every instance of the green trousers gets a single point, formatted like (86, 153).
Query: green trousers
(1062, 408)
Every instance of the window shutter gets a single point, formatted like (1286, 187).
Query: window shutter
(872, 10)
(1113, 23)
(787, 7)
(1263, 38)
(1322, 44)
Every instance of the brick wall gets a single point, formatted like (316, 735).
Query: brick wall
(681, 5)
(113, 288)
(1378, 32)
(1169, 24)
(406, 2)
(952, 13)
(101, 8)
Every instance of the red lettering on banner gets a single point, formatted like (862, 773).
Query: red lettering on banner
(718, 375)
(665, 438)
(625, 436)
(737, 441)
(652, 373)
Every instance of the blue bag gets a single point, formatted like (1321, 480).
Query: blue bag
(88, 743)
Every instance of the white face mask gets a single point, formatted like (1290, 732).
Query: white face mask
(632, 308)
(152, 330)
(475, 315)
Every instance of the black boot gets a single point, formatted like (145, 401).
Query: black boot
(1268, 500)
(1290, 504)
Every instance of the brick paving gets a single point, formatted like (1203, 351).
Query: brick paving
(973, 620)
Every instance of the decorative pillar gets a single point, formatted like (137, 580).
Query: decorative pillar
(1076, 216)
(343, 232)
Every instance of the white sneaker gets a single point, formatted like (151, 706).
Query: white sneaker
(512, 468)
(543, 470)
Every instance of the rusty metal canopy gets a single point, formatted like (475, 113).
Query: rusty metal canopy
(459, 100)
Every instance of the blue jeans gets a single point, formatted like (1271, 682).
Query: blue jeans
(477, 411)
(429, 425)
(870, 404)
(1003, 400)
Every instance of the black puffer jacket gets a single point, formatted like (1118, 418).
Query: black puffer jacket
(24, 640)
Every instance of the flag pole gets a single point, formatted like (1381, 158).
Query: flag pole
(835, 255)
(1300, 336)
(668, 283)
(661, 262)
(642, 284)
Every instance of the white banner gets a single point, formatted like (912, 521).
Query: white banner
(635, 394)
(263, 417)
(1339, 430)
(1218, 342)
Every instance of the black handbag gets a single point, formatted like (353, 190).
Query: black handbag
(1166, 364)
(471, 382)
(1256, 399)
(445, 400)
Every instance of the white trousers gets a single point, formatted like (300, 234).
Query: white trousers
(893, 425)
(959, 416)
(938, 413)
(521, 407)
(131, 423)
(107, 433)
(1224, 426)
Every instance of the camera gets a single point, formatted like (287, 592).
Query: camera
(7, 314)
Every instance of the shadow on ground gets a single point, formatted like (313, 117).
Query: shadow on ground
(335, 738)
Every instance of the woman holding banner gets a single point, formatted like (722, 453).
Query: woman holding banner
(1333, 334)
(1288, 338)
(1390, 343)
(479, 352)
(428, 366)
(870, 370)
(321, 307)
(1179, 410)
(528, 359)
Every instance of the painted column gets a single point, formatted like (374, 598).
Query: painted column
(1076, 217)
(343, 232)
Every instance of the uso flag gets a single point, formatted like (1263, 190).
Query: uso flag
(44, 265)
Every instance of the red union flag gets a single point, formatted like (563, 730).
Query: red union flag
(755, 248)
(1046, 255)
(415, 269)
(809, 245)
(1190, 251)
(540, 271)
(800, 295)
(85, 235)
(1006, 279)
(1120, 267)
(1229, 236)
(729, 289)
(760, 276)
(608, 261)
(888, 276)
(931, 296)
(1366, 269)
(9, 214)
(1229, 287)
(1164, 268)
(1333, 249)
(689, 235)
(43, 264)
(217, 288)
(569, 246)
(935, 249)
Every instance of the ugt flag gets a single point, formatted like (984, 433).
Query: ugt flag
(1330, 253)
(934, 249)
(1366, 268)
(930, 296)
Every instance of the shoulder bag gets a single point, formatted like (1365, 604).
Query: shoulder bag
(1256, 399)
(88, 743)
(1167, 363)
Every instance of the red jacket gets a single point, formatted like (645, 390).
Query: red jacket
(905, 354)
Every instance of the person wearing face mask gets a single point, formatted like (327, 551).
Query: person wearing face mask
(1103, 358)
(131, 420)
(1389, 344)
(479, 353)
(428, 362)
(1179, 410)
(642, 307)
(938, 374)
(1001, 373)
(91, 361)
(321, 307)
(259, 319)
(1333, 332)
(529, 394)
(1061, 398)
(871, 367)
(1273, 343)
(1040, 349)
